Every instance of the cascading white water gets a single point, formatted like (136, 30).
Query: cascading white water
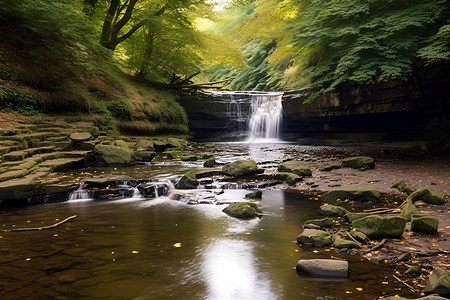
(252, 116)
(266, 115)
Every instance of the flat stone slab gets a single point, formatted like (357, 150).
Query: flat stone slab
(323, 267)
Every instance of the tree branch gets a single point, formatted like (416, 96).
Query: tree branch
(44, 227)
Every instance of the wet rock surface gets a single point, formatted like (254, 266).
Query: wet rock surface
(323, 267)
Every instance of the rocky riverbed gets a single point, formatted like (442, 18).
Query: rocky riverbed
(44, 163)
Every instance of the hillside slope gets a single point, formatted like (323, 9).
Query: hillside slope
(48, 73)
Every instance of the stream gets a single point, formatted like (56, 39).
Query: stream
(161, 248)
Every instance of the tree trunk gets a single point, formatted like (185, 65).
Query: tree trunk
(108, 24)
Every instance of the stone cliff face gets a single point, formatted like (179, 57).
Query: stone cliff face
(418, 108)
(216, 116)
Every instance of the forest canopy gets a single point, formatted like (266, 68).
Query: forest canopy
(257, 44)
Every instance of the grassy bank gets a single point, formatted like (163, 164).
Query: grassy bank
(46, 73)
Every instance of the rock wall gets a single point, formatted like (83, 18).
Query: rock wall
(215, 116)
(418, 108)
(415, 109)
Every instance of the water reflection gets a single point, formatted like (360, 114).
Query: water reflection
(230, 270)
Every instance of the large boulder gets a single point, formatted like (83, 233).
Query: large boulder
(144, 145)
(378, 227)
(404, 187)
(438, 283)
(243, 210)
(113, 155)
(188, 181)
(323, 267)
(424, 224)
(240, 168)
(315, 237)
(299, 168)
(359, 162)
(353, 194)
(332, 210)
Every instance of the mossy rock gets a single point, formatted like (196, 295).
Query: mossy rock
(408, 209)
(350, 217)
(378, 227)
(113, 155)
(438, 283)
(15, 156)
(404, 187)
(242, 210)
(434, 197)
(405, 256)
(240, 168)
(358, 235)
(254, 195)
(189, 158)
(332, 210)
(353, 194)
(144, 155)
(188, 181)
(173, 153)
(413, 271)
(359, 162)
(330, 168)
(62, 164)
(299, 168)
(32, 189)
(315, 237)
(289, 178)
(340, 243)
(210, 162)
(176, 143)
(122, 144)
(144, 145)
(429, 195)
(424, 224)
(324, 223)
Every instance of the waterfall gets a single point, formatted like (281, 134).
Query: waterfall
(252, 116)
(266, 115)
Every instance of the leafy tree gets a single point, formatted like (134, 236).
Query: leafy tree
(364, 41)
(125, 17)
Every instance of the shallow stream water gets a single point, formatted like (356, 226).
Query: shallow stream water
(167, 249)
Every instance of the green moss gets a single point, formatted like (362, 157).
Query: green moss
(242, 210)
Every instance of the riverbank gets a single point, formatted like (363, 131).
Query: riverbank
(392, 164)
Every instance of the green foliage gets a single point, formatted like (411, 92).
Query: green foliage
(437, 46)
(16, 99)
(366, 41)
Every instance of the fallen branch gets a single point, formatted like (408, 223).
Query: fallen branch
(407, 285)
(44, 227)
(377, 246)
(380, 210)
(352, 238)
